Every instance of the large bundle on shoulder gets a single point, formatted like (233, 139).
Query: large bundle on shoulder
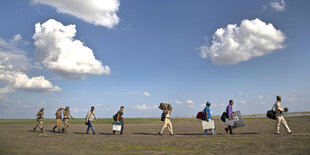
(164, 106)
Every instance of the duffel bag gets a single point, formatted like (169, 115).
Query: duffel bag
(224, 116)
(163, 106)
(271, 114)
(200, 115)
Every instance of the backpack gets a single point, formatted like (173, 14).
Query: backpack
(224, 115)
(86, 120)
(271, 113)
(163, 116)
(115, 117)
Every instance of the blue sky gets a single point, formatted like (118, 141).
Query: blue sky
(154, 52)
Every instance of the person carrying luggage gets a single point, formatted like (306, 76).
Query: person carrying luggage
(208, 117)
(167, 122)
(119, 118)
(280, 118)
(229, 113)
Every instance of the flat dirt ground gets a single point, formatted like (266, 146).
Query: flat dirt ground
(140, 137)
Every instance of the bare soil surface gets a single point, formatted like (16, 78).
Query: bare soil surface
(257, 137)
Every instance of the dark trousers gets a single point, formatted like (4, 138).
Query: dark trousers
(230, 129)
(122, 128)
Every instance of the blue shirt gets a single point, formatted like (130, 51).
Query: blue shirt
(207, 111)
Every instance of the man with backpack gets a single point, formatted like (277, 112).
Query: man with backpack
(58, 124)
(119, 118)
(39, 120)
(67, 115)
(167, 122)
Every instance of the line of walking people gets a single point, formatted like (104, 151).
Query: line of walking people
(62, 123)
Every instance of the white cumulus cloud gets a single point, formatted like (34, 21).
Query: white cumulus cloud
(59, 51)
(13, 65)
(145, 107)
(278, 5)
(97, 12)
(234, 44)
(21, 81)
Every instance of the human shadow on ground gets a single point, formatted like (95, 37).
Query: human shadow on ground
(39, 131)
(101, 133)
(143, 133)
(80, 133)
(244, 133)
(247, 133)
(32, 131)
(190, 134)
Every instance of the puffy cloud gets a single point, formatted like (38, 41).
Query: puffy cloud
(234, 44)
(13, 64)
(177, 102)
(243, 102)
(278, 5)
(145, 107)
(240, 93)
(190, 102)
(146, 94)
(19, 80)
(58, 51)
(98, 12)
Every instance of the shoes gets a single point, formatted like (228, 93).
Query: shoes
(226, 130)
(160, 134)
(290, 132)
(277, 133)
(171, 134)
(34, 129)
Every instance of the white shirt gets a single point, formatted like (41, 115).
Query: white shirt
(91, 116)
(278, 108)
